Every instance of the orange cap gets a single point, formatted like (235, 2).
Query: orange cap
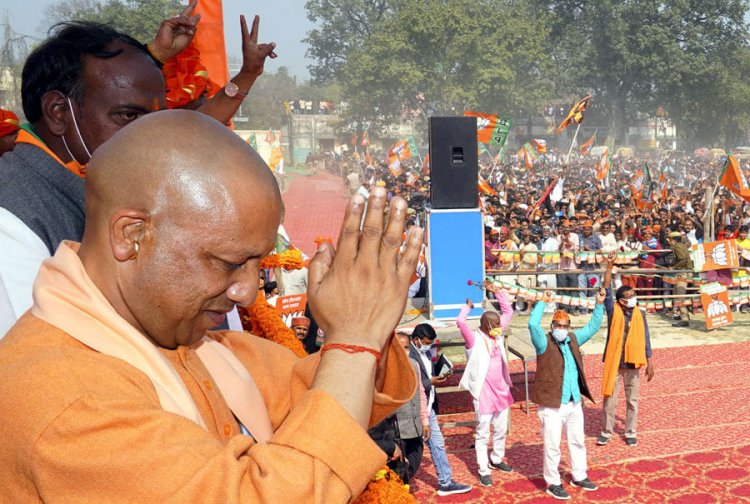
(561, 316)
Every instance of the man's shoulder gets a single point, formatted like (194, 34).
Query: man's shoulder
(43, 371)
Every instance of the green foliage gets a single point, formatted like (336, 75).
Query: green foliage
(138, 18)
(441, 56)
(635, 55)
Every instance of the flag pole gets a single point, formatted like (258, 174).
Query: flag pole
(567, 159)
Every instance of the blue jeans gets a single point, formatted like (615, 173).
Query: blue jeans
(436, 443)
(584, 282)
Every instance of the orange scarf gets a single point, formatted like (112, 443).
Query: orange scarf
(74, 166)
(635, 346)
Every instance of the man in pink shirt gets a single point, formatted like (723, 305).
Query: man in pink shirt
(487, 378)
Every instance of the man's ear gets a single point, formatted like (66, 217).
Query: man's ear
(127, 232)
(54, 111)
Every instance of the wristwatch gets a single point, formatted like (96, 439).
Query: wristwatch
(232, 90)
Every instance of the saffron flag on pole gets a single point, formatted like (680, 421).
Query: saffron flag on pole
(490, 128)
(354, 139)
(529, 148)
(662, 185)
(426, 165)
(576, 113)
(586, 146)
(733, 179)
(602, 167)
(636, 184)
(209, 40)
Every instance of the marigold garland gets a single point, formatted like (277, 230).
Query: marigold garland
(385, 487)
(264, 321)
(320, 240)
(290, 259)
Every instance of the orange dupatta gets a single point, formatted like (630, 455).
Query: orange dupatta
(24, 136)
(635, 346)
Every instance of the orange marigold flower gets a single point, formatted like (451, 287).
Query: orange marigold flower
(264, 321)
(385, 486)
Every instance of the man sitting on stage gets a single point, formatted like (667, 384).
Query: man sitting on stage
(112, 389)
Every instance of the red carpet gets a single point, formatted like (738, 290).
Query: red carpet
(314, 208)
(693, 443)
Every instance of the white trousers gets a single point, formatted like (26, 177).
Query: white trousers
(569, 416)
(499, 423)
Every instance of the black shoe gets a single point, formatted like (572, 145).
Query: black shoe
(586, 484)
(502, 466)
(485, 480)
(631, 441)
(602, 440)
(558, 492)
(681, 323)
(452, 488)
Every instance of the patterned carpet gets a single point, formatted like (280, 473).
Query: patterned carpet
(693, 442)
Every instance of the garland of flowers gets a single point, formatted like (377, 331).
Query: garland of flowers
(385, 487)
(262, 319)
(290, 259)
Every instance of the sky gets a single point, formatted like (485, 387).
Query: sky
(282, 21)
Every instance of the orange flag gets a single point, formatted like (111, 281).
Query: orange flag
(394, 165)
(401, 150)
(576, 113)
(586, 146)
(541, 145)
(602, 167)
(486, 124)
(733, 179)
(485, 187)
(209, 40)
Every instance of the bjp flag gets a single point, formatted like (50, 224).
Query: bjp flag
(602, 167)
(401, 150)
(586, 146)
(394, 165)
(733, 179)
(540, 145)
(576, 113)
(716, 255)
(715, 301)
(490, 128)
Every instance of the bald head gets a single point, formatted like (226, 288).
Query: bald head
(175, 160)
(179, 212)
(489, 320)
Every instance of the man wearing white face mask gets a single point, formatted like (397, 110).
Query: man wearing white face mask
(559, 388)
(422, 340)
(627, 350)
(487, 378)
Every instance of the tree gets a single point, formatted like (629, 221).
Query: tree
(425, 57)
(634, 55)
(138, 18)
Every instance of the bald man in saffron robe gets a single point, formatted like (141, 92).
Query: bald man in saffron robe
(113, 388)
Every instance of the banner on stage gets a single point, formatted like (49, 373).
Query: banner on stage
(715, 256)
(291, 306)
(715, 301)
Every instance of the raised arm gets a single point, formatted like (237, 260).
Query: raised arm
(466, 333)
(222, 106)
(538, 338)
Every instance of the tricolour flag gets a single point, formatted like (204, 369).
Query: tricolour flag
(490, 128)
(602, 167)
(586, 146)
(576, 113)
(733, 179)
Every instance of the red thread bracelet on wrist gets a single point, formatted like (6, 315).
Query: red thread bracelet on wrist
(352, 349)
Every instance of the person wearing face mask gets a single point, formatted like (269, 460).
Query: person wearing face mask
(422, 340)
(627, 350)
(487, 378)
(559, 389)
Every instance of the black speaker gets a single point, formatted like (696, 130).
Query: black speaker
(454, 168)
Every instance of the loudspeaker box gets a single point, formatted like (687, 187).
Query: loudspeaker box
(454, 167)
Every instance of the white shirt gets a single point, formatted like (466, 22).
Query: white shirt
(609, 244)
(22, 253)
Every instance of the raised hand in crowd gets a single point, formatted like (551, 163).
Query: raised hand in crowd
(601, 295)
